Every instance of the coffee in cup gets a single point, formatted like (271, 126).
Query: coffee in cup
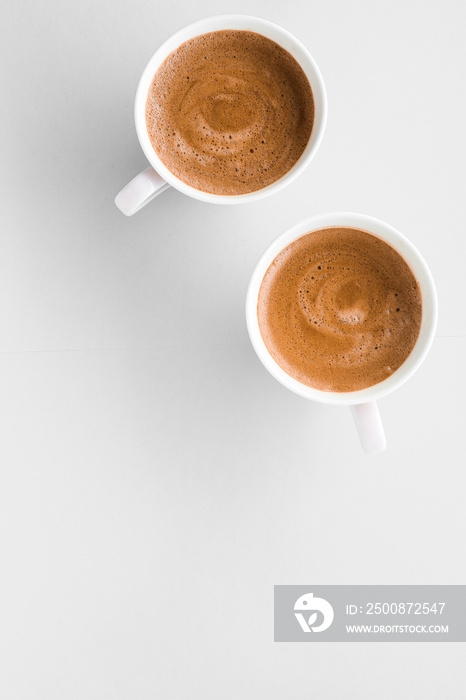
(229, 112)
(339, 309)
(257, 91)
(342, 309)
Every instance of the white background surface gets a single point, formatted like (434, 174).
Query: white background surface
(156, 482)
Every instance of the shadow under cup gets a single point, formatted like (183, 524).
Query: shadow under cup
(362, 401)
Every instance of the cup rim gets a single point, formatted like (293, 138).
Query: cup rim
(418, 266)
(250, 23)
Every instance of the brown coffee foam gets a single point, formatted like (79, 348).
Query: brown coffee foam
(339, 309)
(229, 112)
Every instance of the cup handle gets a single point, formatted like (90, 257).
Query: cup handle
(140, 191)
(369, 427)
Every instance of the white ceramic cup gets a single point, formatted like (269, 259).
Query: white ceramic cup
(154, 180)
(362, 402)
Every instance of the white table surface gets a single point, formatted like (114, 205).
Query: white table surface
(156, 482)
